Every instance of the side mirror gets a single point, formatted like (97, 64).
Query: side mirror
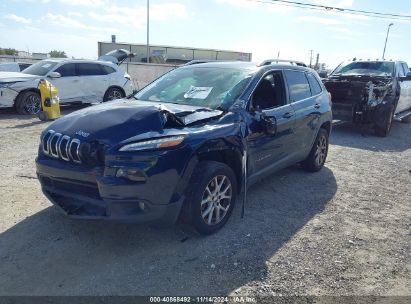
(403, 78)
(408, 74)
(54, 75)
(269, 124)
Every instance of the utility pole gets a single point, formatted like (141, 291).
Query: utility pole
(311, 58)
(278, 54)
(148, 31)
(386, 38)
(317, 61)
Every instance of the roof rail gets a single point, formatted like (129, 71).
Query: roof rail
(274, 61)
(197, 61)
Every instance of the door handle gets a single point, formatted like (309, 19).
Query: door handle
(317, 106)
(287, 115)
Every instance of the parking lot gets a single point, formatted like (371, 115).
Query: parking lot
(342, 231)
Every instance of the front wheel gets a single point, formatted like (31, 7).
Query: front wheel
(383, 128)
(28, 103)
(113, 93)
(211, 196)
(318, 154)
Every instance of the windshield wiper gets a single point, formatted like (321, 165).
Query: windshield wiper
(185, 113)
(221, 108)
(204, 109)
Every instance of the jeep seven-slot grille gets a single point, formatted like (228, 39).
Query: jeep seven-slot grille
(61, 146)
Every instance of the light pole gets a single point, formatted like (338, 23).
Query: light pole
(311, 58)
(148, 31)
(386, 38)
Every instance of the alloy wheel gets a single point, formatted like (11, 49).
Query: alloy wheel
(216, 200)
(115, 94)
(32, 104)
(321, 152)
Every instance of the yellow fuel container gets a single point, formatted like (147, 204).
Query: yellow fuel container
(50, 104)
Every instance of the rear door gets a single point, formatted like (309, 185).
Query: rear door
(94, 81)
(404, 102)
(269, 151)
(305, 98)
(68, 85)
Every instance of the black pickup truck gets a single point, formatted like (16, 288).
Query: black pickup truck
(187, 144)
(373, 92)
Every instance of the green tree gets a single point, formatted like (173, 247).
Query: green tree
(8, 51)
(58, 54)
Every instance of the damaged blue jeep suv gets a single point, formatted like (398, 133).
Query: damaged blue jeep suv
(187, 144)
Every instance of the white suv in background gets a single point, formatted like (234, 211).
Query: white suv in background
(78, 81)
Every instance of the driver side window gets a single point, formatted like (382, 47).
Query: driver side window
(66, 70)
(269, 92)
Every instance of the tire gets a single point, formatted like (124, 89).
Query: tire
(113, 93)
(203, 200)
(28, 103)
(43, 116)
(318, 154)
(384, 128)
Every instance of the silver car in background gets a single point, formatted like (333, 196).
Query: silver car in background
(78, 81)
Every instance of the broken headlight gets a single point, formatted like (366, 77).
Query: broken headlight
(154, 144)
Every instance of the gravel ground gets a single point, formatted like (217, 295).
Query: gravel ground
(342, 231)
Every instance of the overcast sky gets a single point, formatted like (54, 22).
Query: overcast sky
(263, 29)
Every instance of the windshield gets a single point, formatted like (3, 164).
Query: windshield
(371, 68)
(209, 87)
(40, 68)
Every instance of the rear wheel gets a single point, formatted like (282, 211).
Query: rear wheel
(113, 93)
(211, 196)
(28, 103)
(383, 128)
(318, 154)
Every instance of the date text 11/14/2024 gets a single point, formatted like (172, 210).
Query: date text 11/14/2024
(203, 299)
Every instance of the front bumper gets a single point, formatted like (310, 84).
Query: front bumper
(94, 193)
(358, 113)
(7, 97)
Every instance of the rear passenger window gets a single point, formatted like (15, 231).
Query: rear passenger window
(90, 69)
(297, 85)
(67, 70)
(314, 85)
(107, 69)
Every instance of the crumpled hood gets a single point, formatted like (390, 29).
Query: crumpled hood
(6, 77)
(359, 78)
(113, 122)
